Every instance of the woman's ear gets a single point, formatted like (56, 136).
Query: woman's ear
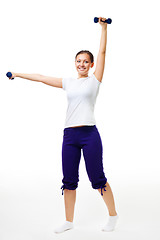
(92, 64)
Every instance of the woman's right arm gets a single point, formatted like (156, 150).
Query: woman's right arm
(52, 81)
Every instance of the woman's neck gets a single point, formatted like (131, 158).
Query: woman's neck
(82, 76)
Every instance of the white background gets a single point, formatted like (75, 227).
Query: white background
(43, 37)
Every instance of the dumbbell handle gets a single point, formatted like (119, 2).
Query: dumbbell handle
(9, 75)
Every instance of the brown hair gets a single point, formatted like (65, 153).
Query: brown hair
(87, 52)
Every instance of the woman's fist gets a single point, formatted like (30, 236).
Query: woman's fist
(11, 75)
(103, 24)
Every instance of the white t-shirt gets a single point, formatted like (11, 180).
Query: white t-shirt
(81, 96)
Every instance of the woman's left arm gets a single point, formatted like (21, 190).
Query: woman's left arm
(102, 51)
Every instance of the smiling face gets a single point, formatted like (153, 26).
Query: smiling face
(83, 65)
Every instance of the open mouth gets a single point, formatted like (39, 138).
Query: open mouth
(81, 69)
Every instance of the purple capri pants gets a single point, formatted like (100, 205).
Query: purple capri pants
(88, 139)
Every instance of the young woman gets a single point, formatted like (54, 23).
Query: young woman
(80, 131)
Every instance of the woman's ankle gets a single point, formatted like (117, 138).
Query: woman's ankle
(113, 213)
(69, 220)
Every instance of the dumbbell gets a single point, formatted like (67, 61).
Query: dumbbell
(9, 75)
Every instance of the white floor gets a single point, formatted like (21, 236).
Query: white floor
(32, 213)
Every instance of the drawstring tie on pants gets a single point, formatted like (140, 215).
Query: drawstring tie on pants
(102, 190)
(63, 187)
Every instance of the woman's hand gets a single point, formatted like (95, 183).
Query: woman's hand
(104, 25)
(13, 75)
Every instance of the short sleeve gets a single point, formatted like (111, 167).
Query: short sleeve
(96, 79)
(66, 82)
